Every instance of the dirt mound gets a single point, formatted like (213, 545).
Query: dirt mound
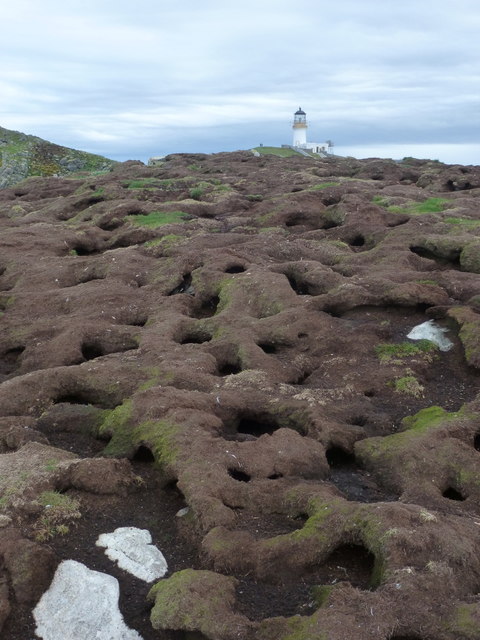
(215, 349)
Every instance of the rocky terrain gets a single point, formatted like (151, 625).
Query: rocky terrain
(22, 156)
(215, 350)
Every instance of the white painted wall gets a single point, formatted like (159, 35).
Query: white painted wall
(299, 136)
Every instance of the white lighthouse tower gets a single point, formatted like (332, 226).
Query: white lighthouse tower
(300, 128)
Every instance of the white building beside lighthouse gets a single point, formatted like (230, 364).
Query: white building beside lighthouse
(300, 127)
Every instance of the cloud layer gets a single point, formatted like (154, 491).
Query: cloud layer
(133, 80)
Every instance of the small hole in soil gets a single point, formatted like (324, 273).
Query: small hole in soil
(208, 308)
(229, 368)
(359, 421)
(453, 494)
(357, 241)
(83, 250)
(302, 517)
(195, 337)
(91, 350)
(338, 457)
(301, 378)
(351, 562)
(141, 321)
(143, 454)
(369, 393)
(73, 398)
(476, 441)
(235, 268)
(184, 286)
(256, 427)
(302, 335)
(241, 476)
(275, 476)
(291, 222)
(268, 347)
(300, 288)
(111, 225)
(332, 310)
(9, 359)
(422, 306)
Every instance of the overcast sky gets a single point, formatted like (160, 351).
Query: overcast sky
(134, 79)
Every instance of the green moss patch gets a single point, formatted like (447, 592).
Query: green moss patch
(390, 352)
(158, 218)
(431, 205)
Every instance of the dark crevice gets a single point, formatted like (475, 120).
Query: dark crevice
(358, 421)
(476, 441)
(301, 378)
(235, 268)
(143, 454)
(423, 252)
(337, 457)
(195, 337)
(300, 288)
(253, 425)
(422, 306)
(333, 310)
(356, 563)
(111, 225)
(229, 368)
(275, 476)
(9, 360)
(241, 476)
(268, 347)
(256, 427)
(92, 350)
(184, 287)
(357, 241)
(85, 250)
(207, 308)
(141, 321)
(453, 494)
(74, 398)
(370, 393)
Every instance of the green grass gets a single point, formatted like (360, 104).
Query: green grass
(464, 222)
(142, 183)
(324, 185)
(431, 205)
(389, 352)
(409, 385)
(158, 218)
(277, 151)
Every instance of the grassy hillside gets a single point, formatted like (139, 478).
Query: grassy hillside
(22, 156)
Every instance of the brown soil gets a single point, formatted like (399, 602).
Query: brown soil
(231, 357)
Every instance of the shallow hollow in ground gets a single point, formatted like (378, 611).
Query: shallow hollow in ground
(251, 425)
(301, 595)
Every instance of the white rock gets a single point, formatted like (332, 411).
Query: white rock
(131, 548)
(81, 604)
(182, 512)
(431, 331)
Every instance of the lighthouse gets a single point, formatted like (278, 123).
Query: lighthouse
(299, 128)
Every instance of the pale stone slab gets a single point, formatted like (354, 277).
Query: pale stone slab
(131, 548)
(81, 604)
(431, 331)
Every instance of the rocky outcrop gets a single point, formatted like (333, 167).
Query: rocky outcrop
(22, 156)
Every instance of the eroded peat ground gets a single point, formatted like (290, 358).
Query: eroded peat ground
(215, 350)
